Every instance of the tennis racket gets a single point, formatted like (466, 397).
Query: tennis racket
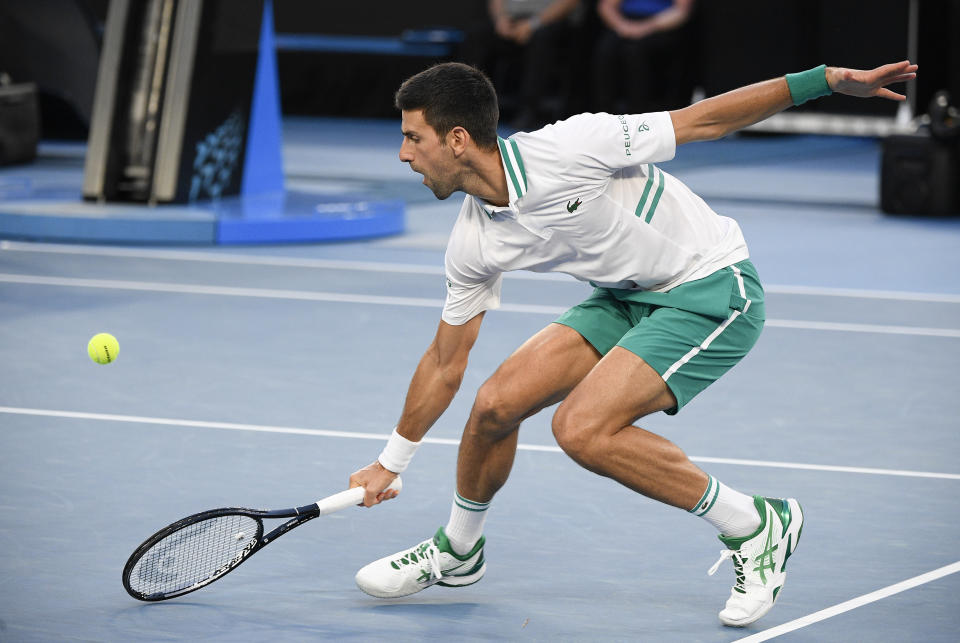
(199, 549)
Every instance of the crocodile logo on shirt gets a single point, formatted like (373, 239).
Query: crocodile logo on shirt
(571, 207)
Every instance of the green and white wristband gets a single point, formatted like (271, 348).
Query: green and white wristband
(807, 85)
(398, 453)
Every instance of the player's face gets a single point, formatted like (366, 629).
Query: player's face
(427, 154)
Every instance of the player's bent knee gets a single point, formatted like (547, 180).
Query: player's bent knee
(493, 412)
(574, 432)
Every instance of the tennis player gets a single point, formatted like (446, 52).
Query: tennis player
(676, 304)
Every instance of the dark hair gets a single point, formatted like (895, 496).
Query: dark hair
(452, 94)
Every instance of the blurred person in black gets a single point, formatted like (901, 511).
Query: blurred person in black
(642, 56)
(519, 45)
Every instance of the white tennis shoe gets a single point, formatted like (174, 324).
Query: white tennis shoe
(760, 560)
(432, 562)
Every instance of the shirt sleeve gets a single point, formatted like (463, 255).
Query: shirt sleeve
(466, 301)
(609, 142)
(472, 286)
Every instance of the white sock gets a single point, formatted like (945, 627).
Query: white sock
(466, 523)
(731, 512)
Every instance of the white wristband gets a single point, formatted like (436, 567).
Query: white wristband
(398, 453)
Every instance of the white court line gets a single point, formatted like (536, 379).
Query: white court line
(826, 467)
(419, 269)
(232, 426)
(898, 295)
(863, 328)
(265, 293)
(419, 302)
(854, 603)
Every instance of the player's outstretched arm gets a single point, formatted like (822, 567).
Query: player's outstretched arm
(435, 382)
(726, 113)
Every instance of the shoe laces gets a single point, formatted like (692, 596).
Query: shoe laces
(737, 566)
(425, 551)
(433, 557)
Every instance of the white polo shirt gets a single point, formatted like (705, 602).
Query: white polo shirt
(586, 200)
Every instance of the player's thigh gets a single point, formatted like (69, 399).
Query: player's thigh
(539, 373)
(619, 389)
(691, 351)
(660, 364)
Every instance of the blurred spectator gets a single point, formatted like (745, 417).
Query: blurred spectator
(643, 59)
(519, 46)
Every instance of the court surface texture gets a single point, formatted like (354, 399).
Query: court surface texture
(263, 376)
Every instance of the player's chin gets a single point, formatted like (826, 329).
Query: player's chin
(441, 193)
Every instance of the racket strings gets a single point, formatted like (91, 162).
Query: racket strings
(193, 554)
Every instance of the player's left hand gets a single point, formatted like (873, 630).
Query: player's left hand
(872, 82)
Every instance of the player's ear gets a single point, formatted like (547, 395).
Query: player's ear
(458, 139)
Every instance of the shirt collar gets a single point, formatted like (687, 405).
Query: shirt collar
(513, 168)
(516, 177)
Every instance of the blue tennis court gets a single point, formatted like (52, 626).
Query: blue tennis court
(263, 376)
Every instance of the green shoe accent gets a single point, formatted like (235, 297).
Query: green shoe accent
(417, 554)
(472, 571)
(784, 510)
(792, 544)
(740, 580)
(766, 561)
(443, 544)
(736, 543)
(459, 575)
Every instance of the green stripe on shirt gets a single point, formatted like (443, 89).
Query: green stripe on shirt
(646, 190)
(506, 159)
(656, 197)
(523, 171)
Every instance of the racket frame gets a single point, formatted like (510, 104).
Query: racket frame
(297, 516)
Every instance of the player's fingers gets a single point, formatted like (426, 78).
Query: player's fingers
(897, 73)
(371, 498)
(896, 68)
(355, 483)
(886, 93)
(902, 78)
(387, 494)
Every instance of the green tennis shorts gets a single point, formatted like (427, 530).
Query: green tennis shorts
(691, 335)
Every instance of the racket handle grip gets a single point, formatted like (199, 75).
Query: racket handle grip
(350, 497)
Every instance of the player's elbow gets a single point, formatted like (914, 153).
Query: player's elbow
(700, 122)
(701, 130)
(708, 132)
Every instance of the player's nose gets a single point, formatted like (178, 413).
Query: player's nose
(405, 154)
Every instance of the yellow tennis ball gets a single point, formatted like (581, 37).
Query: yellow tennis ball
(103, 348)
